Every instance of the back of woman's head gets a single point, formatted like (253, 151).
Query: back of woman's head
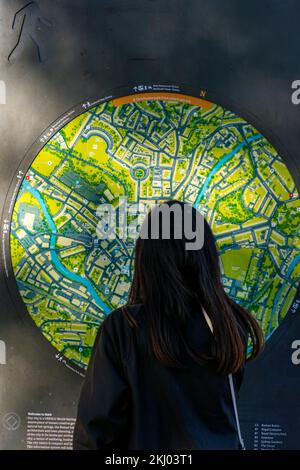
(176, 272)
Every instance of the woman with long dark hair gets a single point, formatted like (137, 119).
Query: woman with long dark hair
(158, 375)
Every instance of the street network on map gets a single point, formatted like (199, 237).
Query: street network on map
(148, 151)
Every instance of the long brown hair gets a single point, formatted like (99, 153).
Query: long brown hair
(168, 279)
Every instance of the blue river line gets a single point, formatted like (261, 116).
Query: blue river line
(59, 266)
(293, 265)
(221, 162)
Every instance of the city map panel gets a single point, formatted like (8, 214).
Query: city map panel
(149, 149)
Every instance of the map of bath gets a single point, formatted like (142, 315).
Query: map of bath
(150, 150)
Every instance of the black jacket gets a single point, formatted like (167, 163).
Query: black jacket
(130, 401)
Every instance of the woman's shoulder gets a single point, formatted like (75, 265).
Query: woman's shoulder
(118, 325)
(123, 314)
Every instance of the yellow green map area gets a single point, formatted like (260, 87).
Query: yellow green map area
(148, 151)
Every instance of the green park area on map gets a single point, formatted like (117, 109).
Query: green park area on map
(150, 151)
